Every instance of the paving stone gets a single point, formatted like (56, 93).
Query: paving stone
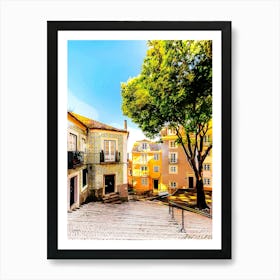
(135, 220)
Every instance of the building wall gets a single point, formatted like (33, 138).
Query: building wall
(98, 170)
(207, 174)
(95, 144)
(91, 142)
(137, 174)
(80, 131)
(184, 170)
(150, 174)
(129, 174)
(81, 193)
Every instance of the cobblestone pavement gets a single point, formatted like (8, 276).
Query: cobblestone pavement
(135, 220)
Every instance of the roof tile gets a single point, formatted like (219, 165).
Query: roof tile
(92, 124)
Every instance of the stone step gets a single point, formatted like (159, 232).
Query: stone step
(110, 196)
(117, 227)
(134, 233)
(113, 198)
(130, 221)
(123, 222)
(125, 231)
(128, 237)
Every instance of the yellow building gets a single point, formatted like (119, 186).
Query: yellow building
(146, 167)
(77, 174)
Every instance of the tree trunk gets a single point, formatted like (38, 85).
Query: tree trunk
(200, 196)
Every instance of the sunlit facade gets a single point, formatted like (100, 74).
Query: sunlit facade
(146, 167)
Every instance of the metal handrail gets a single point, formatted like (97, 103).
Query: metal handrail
(172, 205)
(186, 208)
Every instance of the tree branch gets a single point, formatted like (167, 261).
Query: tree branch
(181, 140)
(206, 153)
(189, 144)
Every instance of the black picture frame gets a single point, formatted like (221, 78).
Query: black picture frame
(53, 27)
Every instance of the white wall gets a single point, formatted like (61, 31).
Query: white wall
(255, 128)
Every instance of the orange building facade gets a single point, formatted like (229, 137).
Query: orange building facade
(162, 167)
(146, 168)
(176, 170)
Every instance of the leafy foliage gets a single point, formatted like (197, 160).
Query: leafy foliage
(174, 89)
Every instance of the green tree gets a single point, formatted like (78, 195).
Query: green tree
(174, 89)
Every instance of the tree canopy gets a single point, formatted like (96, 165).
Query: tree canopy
(174, 89)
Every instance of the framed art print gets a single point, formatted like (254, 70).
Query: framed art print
(139, 140)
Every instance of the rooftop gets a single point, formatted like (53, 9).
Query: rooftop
(92, 124)
(152, 146)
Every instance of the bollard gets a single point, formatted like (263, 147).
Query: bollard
(172, 209)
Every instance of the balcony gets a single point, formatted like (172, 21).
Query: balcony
(111, 158)
(75, 159)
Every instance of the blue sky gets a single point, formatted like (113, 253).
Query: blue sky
(95, 72)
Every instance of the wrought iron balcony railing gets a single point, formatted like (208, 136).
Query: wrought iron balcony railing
(111, 158)
(75, 159)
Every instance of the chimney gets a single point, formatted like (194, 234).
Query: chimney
(125, 124)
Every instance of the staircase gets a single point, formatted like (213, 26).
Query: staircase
(113, 198)
(137, 220)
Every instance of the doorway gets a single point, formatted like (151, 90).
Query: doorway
(109, 183)
(72, 190)
(155, 184)
(191, 182)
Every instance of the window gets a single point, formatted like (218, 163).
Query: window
(172, 169)
(172, 131)
(206, 181)
(207, 139)
(72, 142)
(85, 177)
(173, 157)
(144, 181)
(156, 168)
(109, 150)
(172, 144)
(144, 168)
(144, 146)
(144, 158)
(206, 167)
(173, 184)
(156, 156)
(83, 145)
(144, 171)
